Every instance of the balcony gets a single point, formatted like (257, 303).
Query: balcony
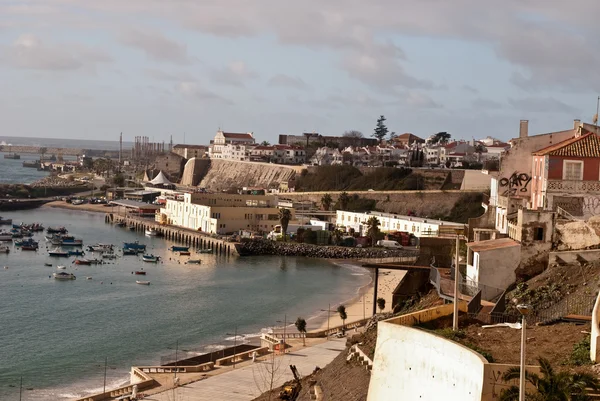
(573, 186)
(503, 202)
(513, 230)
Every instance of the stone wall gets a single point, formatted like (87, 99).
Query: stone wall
(422, 203)
(225, 174)
(171, 164)
(194, 170)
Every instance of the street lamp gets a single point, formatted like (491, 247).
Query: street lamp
(524, 310)
(328, 310)
(284, 324)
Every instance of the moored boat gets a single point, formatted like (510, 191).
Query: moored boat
(150, 258)
(151, 232)
(61, 267)
(109, 256)
(4, 236)
(58, 253)
(134, 245)
(184, 253)
(4, 249)
(29, 248)
(142, 282)
(205, 250)
(76, 252)
(177, 248)
(56, 230)
(82, 262)
(140, 272)
(14, 156)
(48, 264)
(64, 276)
(129, 252)
(5, 221)
(195, 261)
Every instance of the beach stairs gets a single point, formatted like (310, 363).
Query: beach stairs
(316, 392)
(362, 358)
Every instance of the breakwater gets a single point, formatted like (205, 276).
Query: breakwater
(60, 151)
(267, 247)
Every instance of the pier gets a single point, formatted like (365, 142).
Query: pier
(191, 238)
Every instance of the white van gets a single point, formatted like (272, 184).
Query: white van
(389, 244)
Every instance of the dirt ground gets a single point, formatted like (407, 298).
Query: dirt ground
(554, 342)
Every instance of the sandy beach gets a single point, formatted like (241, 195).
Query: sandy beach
(362, 305)
(85, 207)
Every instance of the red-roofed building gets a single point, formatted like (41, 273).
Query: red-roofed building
(567, 174)
(222, 139)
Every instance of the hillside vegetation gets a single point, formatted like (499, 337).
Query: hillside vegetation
(349, 178)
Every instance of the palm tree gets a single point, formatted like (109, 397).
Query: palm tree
(284, 218)
(343, 200)
(381, 304)
(326, 201)
(301, 326)
(343, 315)
(373, 231)
(550, 386)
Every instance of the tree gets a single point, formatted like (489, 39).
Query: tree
(353, 134)
(441, 138)
(381, 304)
(42, 151)
(343, 200)
(392, 136)
(343, 315)
(326, 202)
(265, 143)
(284, 218)
(380, 130)
(118, 180)
(88, 163)
(551, 386)
(301, 326)
(373, 229)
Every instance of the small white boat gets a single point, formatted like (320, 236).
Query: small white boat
(151, 232)
(64, 276)
(195, 261)
(88, 278)
(150, 258)
(142, 282)
(5, 267)
(60, 267)
(4, 249)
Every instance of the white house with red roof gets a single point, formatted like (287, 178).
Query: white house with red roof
(222, 139)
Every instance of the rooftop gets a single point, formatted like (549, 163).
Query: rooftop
(135, 204)
(587, 145)
(246, 135)
(142, 192)
(184, 146)
(491, 244)
(409, 218)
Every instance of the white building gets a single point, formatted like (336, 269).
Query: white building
(280, 154)
(239, 152)
(223, 139)
(389, 222)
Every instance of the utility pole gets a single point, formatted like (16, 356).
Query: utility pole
(456, 274)
(375, 285)
(120, 149)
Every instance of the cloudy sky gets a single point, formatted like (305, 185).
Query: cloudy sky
(90, 69)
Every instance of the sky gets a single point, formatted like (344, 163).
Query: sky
(90, 69)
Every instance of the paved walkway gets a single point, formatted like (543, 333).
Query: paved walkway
(248, 382)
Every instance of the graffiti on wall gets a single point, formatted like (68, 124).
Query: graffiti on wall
(517, 182)
(579, 205)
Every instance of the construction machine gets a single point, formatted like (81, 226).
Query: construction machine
(291, 390)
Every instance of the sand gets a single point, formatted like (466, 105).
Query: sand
(362, 306)
(86, 207)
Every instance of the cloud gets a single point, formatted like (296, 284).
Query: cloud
(161, 75)
(419, 100)
(156, 46)
(541, 105)
(282, 80)
(488, 104)
(470, 89)
(235, 74)
(194, 91)
(30, 52)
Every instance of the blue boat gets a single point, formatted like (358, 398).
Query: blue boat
(134, 245)
(76, 252)
(150, 258)
(175, 248)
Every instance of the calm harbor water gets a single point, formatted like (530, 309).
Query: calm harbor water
(13, 172)
(56, 335)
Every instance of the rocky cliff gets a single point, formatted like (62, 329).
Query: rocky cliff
(224, 174)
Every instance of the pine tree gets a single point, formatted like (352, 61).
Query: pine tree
(380, 130)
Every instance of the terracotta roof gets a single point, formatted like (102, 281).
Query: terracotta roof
(264, 147)
(238, 136)
(491, 244)
(587, 145)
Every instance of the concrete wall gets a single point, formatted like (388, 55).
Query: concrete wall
(595, 335)
(171, 164)
(225, 174)
(194, 170)
(412, 364)
(422, 203)
(476, 180)
(591, 255)
(494, 268)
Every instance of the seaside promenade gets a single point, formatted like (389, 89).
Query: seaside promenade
(246, 381)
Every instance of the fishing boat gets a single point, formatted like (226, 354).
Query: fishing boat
(82, 262)
(150, 258)
(132, 228)
(76, 252)
(195, 261)
(56, 230)
(121, 224)
(206, 250)
(14, 156)
(4, 236)
(64, 276)
(70, 241)
(129, 252)
(4, 249)
(140, 272)
(26, 242)
(184, 253)
(95, 261)
(17, 234)
(142, 282)
(32, 163)
(61, 267)
(176, 248)
(29, 248)
(48, 264)
(134, 245)
(151, 232)
(5, 221)
(58, 253)
(101, 248)
(109, 256)
(88, 278)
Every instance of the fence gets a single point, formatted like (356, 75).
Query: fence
(410, 259)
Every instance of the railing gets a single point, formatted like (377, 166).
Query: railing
(573, 186)
(573, 305)
(562, 212)
(513, 230)
(404, 260)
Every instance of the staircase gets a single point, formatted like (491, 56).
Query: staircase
(360, 356)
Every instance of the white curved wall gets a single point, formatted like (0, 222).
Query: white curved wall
(411, 364)
(595, 335)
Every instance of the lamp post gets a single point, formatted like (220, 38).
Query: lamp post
(328, 310)
(284, 324)
(524, 310)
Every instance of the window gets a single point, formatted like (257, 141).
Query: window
(538, 234)
(572, 170)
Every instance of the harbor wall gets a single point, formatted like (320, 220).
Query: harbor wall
(62, 151)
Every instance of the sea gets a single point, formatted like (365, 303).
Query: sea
(59, 337)
(13, 172)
